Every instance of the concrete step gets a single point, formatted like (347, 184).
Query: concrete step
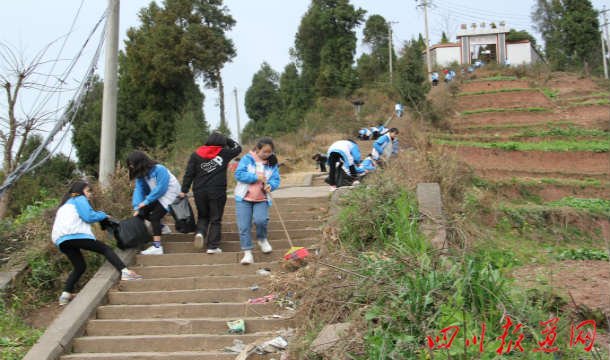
(180, 355)
(183, 296)
(231, 234)
(186, 311)
(233, 246)
(164, 343)
(206, 259)
(179, 271)
(191, 283)
(179, 326)
(274, 223)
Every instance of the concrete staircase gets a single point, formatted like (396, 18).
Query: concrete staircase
(180, 309)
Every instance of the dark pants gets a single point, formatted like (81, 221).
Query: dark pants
(336, 174)
(153, 212)
(210, 208)
(322, 164)
(72, 250)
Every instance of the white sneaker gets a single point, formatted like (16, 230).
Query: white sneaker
(214, 251)
(265, 246)
(128, 275)
(248, 258)
(198, 242)
(152, 250)
(165, 230)
(65, 298)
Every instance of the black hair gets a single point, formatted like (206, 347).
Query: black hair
(216, 139)
(394, 130)
(76, 189)
(139, 164)
(264, 141)
(316, 157)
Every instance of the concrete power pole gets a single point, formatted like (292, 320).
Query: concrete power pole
(425, 4)
(607, 40)
(237, 115)
(390, 48)
(604, 57)
(109, 104)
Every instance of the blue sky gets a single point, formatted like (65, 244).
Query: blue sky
(264, 32)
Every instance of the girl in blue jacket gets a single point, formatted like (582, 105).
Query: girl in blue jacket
(257, 175)
(156, 188)
(72, 233)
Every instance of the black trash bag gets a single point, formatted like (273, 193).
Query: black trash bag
(129, 233)
(183, 215)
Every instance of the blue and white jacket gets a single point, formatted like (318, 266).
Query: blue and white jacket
(367, 165)
(72, 220)
(245, 174)
(380, 145)
(160, 184)
(365, 132)
(349, 151)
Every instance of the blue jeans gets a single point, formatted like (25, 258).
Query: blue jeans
(247, 212)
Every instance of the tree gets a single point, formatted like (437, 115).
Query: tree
(444, 39)
(48, 180)
(325, 45)
(411, 80)
(570, 29)
(263, 96)
(160, 103)
(18, 125)
(514, 35)
(371, 67)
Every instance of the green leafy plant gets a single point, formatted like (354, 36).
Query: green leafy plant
(583, 254)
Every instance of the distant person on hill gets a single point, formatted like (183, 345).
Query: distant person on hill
(398, 109)
(374, 132)
(257, 176)
(343, 156)
(72, 233)
(365, 134)
(207, 172)
(156, 188)
(434, 77)
(383, 145)
(321, 160)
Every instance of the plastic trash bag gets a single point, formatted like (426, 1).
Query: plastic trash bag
(183, 215)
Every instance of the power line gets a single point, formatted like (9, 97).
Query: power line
(67, 117)
(66, 37)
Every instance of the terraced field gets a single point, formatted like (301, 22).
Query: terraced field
(508, 129)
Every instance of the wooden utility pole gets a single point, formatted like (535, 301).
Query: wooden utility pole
(425, 4)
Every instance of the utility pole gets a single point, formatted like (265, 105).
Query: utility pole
(237, 115)
(390, 48)
(425, 4)
(109, 102)
(607, 40)
(604, 57)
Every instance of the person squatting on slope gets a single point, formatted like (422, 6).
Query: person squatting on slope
(321, 160)
(257, 176)
(207, 172)
(156, 188)
(72, 233)
(365, 134)
(383, 146)
(346, 155)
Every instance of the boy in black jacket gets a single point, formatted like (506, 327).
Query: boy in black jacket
(207, 172)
